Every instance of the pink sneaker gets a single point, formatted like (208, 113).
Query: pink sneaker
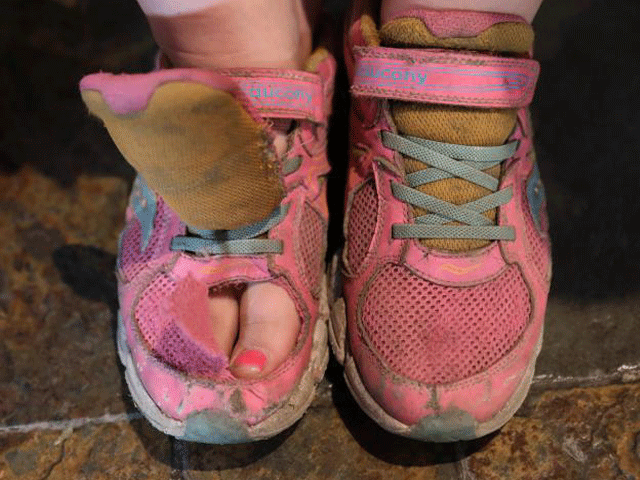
(203, 141)
(446, 266)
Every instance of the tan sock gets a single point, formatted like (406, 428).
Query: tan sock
(459, 125)
(201, 151)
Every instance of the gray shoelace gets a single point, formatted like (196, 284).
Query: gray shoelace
(241, 241)
(446, 160)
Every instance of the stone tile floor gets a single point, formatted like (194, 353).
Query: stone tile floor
(64, 411)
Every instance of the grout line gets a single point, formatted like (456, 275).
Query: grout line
(463, 471)
(624, 374)
(69, 424)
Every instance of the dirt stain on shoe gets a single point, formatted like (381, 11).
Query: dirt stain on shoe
(237, 402)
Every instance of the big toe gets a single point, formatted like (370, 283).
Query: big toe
(269, 326)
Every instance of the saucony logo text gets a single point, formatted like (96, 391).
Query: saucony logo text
(274, 93)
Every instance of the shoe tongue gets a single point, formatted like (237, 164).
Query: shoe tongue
(452, 124)
(194, 143)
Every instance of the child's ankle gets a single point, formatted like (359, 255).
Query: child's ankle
(238, 33)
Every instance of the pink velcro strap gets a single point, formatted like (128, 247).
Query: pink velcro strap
(282, 94)
(444, 77)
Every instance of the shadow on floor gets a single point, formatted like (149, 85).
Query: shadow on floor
(90, 272)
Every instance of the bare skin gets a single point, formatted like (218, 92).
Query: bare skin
(258, 326)
(236, 33)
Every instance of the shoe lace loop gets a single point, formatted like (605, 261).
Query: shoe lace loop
(241, 241)
(447, 160)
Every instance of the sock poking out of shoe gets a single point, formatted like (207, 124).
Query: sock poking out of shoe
(193, 141)
(452, 124)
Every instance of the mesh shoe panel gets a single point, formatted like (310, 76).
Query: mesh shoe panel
(362, 224)
(165, 338)
(151, 311)
(438, 334)
(183, 354)
(131, 259)
(310, 247)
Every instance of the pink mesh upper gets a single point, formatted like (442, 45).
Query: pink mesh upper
(438, 334)
(151, 311)
(362, 221)
(166, 340)
(182, 353)
(310, 247)
(131, 259)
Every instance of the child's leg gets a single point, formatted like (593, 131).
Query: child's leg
(526, 9)
(263, 320)
(231, 33)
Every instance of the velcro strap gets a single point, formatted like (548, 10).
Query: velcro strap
(444, 77)
(282, 94)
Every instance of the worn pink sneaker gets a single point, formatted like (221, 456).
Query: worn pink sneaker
(217, 204)
(446, 266)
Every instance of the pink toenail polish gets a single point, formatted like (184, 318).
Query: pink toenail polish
(250, 361)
